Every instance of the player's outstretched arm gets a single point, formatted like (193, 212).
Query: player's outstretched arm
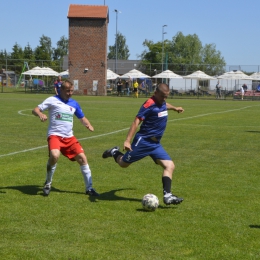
(177, 109)
(87, 124)
(37, 112)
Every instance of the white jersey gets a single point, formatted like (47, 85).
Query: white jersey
(61, 115)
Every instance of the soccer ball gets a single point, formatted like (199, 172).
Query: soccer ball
(150, 202)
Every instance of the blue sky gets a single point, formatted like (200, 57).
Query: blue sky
(232, 25)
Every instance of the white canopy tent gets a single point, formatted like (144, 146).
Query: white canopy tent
(64, 73)
(170, 75)
(167, 74)
(134, 74)
(236, 75)
(255, 76)
(199, 75)
(37, 71)
(111, 75)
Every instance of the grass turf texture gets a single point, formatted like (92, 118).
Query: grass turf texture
(215, 147)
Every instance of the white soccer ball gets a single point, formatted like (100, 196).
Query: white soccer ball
(150, 202)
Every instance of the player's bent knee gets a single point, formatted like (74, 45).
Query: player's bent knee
(54, 155)
(123, 164)
(167, 164)
(171, 166)
(81, 159)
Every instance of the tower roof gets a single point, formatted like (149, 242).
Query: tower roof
(88, 11)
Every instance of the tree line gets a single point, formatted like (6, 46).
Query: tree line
(181, 54)
(44, 55)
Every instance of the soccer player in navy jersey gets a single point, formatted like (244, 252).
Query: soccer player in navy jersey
(61, 140)
(152, 118)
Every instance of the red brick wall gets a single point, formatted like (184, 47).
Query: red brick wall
(88, 49)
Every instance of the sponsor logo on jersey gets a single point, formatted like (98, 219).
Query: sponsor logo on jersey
(162, 114)
(64, 117)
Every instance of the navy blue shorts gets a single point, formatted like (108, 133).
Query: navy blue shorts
(143, 147)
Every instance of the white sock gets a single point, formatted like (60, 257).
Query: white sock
(50, 172)
(86, 172)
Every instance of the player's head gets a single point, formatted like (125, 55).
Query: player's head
(161, 92)
(66, 89)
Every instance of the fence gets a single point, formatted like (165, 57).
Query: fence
(15, 68)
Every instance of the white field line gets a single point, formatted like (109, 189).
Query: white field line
(209, 114)
(20, 112)
(114, 132)
(44, 146)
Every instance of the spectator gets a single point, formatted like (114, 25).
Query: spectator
(119, 87)
(218, 90)
(127, 87)
(136, 88)
(57, 85)
(244, 87)
(242, 91)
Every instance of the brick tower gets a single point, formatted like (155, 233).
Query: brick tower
(87, 58)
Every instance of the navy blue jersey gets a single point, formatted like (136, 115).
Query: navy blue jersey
(57, 85)
(154, 117)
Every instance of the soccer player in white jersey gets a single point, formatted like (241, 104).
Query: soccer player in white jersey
(61, 140)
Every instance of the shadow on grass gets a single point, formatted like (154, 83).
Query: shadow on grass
(254, 226)
(37, 190)
(33, 189)
(111, 195)
(252, 131)
(169, 207)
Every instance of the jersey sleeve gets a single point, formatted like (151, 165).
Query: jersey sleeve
(78, 112)
(145, 109)
(45, 104)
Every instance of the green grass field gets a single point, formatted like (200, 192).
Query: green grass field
(215, 147)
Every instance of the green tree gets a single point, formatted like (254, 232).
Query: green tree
(212, 60)
(184, 55)
(4, 54)
(28, 52)
(3, 58)
(17, 52)
(154, 52)
(59, 52)
(29, 56)
(122, 48)
(184, 52)
(62, 48)
(44, 52)
(16, 61)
